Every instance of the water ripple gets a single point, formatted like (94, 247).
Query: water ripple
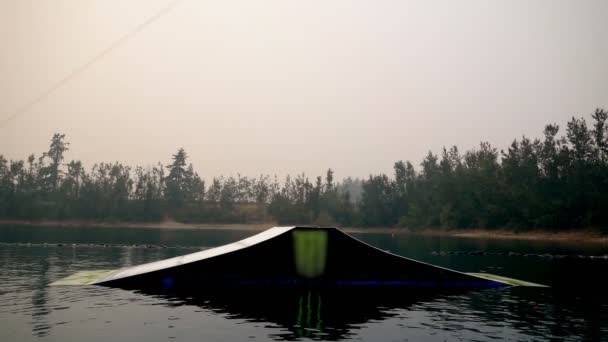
(30, 308)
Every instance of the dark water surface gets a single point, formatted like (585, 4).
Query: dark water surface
(574, 309)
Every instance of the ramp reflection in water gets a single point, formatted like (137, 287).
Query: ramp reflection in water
(318, 313)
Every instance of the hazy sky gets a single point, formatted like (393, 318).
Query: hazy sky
(296, 86)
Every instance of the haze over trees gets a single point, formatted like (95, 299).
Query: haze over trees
(557, 182)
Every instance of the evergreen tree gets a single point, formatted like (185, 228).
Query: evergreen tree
(178, 180)
(51, 173)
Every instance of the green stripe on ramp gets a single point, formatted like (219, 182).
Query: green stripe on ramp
(310, 248)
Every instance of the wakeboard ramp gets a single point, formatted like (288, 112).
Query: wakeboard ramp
(288, 257)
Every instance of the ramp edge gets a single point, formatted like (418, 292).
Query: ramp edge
(506, 280)
(83, 278)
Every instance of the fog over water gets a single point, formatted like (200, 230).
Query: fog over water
(291, 86)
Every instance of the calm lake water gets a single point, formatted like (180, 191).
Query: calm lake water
(575, 308)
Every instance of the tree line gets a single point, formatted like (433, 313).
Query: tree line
(555, 183)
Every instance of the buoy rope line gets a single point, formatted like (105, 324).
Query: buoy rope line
(97, 245)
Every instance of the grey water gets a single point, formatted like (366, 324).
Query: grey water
(574, 308)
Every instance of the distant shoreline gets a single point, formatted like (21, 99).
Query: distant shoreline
(581, 236)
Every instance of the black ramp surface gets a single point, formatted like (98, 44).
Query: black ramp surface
(323, 257)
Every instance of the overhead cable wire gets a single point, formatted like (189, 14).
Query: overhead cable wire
(26, 107)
